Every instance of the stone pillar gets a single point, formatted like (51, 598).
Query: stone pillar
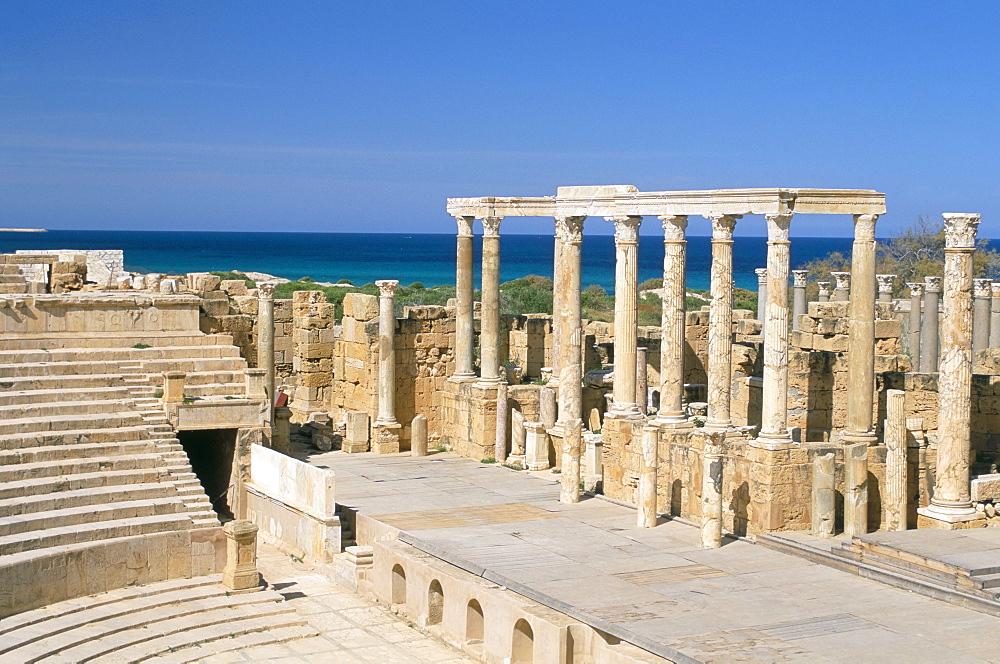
(357, 434)
(861, 334)
(241, 572)
(626, 329)
(281, 440)
(916, 296)
(173, 386)
(265, 340)
(536, 446)
(255, 384)
(720, 322)
(929, 331)
(995, 315)
(982, 290)
(952, 501)
(503, 424)
(842, 292)
(489, 335)
(671, 412)
(824, 495)
(761, 293)
(464, 324)
(570, 231)
(386, 351)
(547, 406)
(558, 289)
(418, 436)
(774, 416)
(856, 489)
(593, 464)
(648, 463)
(711, 485)
(824, 291)
(895, 501)
(642, 379)
(886, 282)
(798, 296)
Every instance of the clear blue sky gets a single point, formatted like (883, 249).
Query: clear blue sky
(347, 116)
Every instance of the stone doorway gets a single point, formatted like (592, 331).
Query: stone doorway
(211, 453)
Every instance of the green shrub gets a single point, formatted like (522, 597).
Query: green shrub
(229, 276)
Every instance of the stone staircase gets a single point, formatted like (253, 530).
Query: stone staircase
(12, 282)
(181, 620)
(87, 456)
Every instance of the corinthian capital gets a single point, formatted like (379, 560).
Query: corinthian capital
(761, 273)
(674, 226)
(266, 289)
(387, 287)
(491, 226)
(933, 284)
(464, 225)
(960, 230)
(843, 279)
(569, 230)
(799, 278)
(916, 289)
(886, 282)
(824, 288)
(864, 227)
(626, 228)
(723, 225)
(982, 287)
(777, 227)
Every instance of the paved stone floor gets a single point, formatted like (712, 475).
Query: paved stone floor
(353, 629)
(742, 602)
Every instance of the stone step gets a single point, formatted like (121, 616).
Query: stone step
(14, 288)
(69, 422)
(11, 278)
(106, 367)
(72, 517)
(71, 466)
(89, 532)
(56, 453)
(54, 340)
(28, 439)
(11, 397)
(117, 354)
(79, 382)
(44, 485)
(65, 408)
(98, 495)
(230, 643)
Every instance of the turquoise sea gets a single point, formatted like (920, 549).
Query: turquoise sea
(427, 258)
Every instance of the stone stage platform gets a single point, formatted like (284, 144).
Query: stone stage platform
(655, 588)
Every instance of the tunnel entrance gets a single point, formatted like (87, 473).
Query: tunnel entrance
(211, 452)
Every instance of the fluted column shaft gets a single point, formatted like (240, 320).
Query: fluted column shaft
(929, 332)
(569, 230)
(672, 321)
(774, 415)
(464, 324)
(558, 288)
(916, 295)
(386, 351)
(265, 340)
(952, 499)
(626, 328)
(720, 322)
(861, 334)
(489, 335)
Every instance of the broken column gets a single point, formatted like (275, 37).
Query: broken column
(418, 436)
(774, 416)
(281, 440)
(570, 231)
(386, 428)
(641, 379)
(886, 282)
(671, 411)
(518, 438)
(626, 329)
(265, 339)
(861, 334)
(798, 296)
(720, 322)
(241, 572)
(711, 485)
(824, 495)
(489, 336)
(464, 324)
(648, 463)
(842, 291)
(952, 500)
(982, 290)
(895, 500)
(536, 446)
(929, 330)
(916, 297)
(856, 489)
(503, 424)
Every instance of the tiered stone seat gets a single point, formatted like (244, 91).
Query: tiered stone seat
(178, 621)
(12, 282)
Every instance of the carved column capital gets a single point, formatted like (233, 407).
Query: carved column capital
(777, 226)
(886, 282)
(491, 226)
(799, 278)
(674, 227)
(982, 287)
(996, 289)
(626, 228)
(266, 290)
(960, 230)
(916, 289)
(723, 225)
(824, 288)
(761, 273)
(387, 287)
(864, 227)
(843, 279)
(932, 284)
(569, 230)
(464, 225)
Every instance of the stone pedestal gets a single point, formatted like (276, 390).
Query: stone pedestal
(385, 437)
(536, 446)
(626, 329)
(648, 463)
(255, 384)
(418, 436)
(593, 461)
(357, 434)
(929, 330)
(173, 386)
(824, 495)
(856, 489)
(711, 489)
(241, 572)
(280, 430)
(896, 496)
(720, 323)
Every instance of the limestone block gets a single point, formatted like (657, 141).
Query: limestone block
(885, 363)
(233, 286)
(986, 487)
(885, 329)
(428, 312)
(203, 281)
(215, 308)
(801, 339)
(318, 379)
(828, 309)
(246, 304)
(169, 286)
(361, 306)
(832, 326)
(836, 343)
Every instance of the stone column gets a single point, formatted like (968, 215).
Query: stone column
(281, 440)
(861, 334)
(982, 290)
(570, 231)
(173, 386)
(489, 335)
(418, 436)
(798, 296)
(626, 329)
(761, 293)
(464, 324)
(386, 352)
(929, 331)
(720, 322)
(824, 496)
(241, 572)
(856, 489)
(547, 406)
(952, 500)
(711, 486)
(916, 295)
(503, 424)
(671, 412)
(842, 293)
(265, 340)
(558, 290)
(642, 379)
(824, 291)
(896, 495)
(995, 315)
(774, 416)
(648, 463)
(886, 282)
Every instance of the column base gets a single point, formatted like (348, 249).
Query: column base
(463, 378)
(354, 447)
(516, 460)
(672, 422)
(488, 383)
(772, 441)
(950, 516)
(850, 437)
(628, 412)
(385, 437)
